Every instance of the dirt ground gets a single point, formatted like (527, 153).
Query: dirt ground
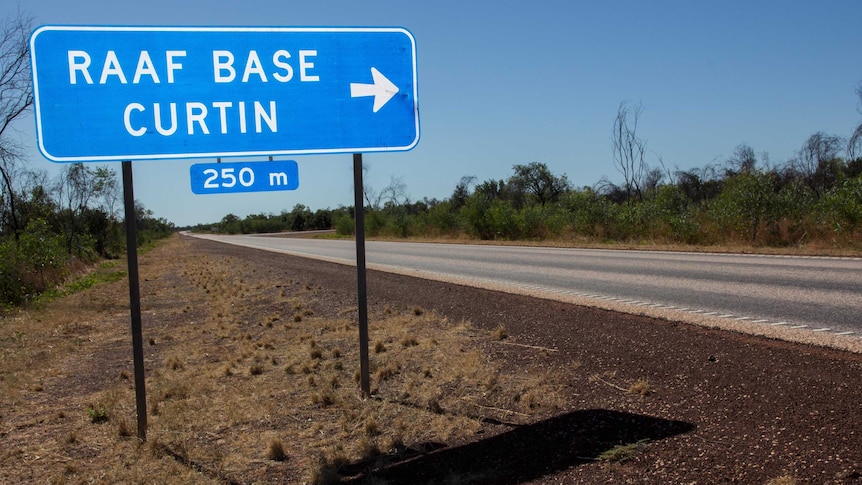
(629, 399)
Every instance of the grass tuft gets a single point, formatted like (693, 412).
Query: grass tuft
(324, 398)
(326, 471)
(98, 414)
(371, 427)
(386, 372)
(621, 453)
(174, 363)
(782, 480)
(641, 387)
(123, 429)
(275, 451)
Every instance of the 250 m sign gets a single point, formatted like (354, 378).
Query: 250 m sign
(221, 178)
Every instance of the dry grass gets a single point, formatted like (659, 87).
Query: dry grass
(641, 387)
(621, 453)
(782, 480)
(236, 377)
(276, 452)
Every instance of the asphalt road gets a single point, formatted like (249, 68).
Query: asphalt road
(816, 293)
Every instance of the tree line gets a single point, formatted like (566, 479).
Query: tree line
(814, 198)
(300, 218)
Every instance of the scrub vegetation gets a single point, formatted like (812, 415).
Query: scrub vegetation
(56, 231)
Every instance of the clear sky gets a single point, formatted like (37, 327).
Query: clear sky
(512, 82)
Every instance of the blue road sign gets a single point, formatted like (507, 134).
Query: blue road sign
(133, 93)
(221, 178)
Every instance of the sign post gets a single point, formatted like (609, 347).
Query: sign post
(135, 300)
(123, 93)
(359, 219)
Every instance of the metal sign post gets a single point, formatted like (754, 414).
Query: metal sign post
(359, 216)
(135, 300)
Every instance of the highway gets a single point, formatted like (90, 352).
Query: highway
(816, 293)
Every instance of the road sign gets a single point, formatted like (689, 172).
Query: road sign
(132, 93)
(221, 178)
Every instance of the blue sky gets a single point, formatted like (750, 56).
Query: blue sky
(506, 82)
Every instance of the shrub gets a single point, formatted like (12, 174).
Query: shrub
(36, 262)
(344, 225)
(840, 208)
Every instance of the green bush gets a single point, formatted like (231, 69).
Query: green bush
(840, 208)
(344, 225)
(442, 219)
(590, 213)
(34, 263)
(747, 206)
(12, 289)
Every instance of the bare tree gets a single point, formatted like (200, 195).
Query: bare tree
(817, 161)
(394, 193)
(700, 185)
(461, 192)
(16, 97)
(743, 159)
(629, 149)
(854, 143)
(80, 190)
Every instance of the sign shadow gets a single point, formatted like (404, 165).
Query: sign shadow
(525, 453)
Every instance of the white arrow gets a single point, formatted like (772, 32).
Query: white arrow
(382, 89)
